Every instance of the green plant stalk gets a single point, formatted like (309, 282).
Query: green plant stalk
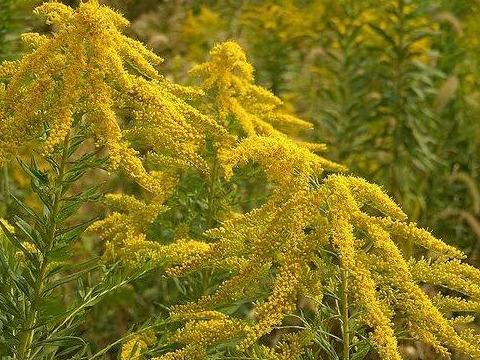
(212, 193)
(26, 338)
(345, 317)
(212, 209)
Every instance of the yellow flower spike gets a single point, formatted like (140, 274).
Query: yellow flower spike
(199, 335)
(448, 304)
(123, 230)
(430, 339)
(343, 207)
(282, 301)
(54, 12)
(426, 321)
(34, 40)
(228, 78)
(84, 69)
(443, 273)
(293, 346)
(227, 65)
(470, 336)
(132, 348)
(8, 68)
(373, 195)
(313, 147)
(461, 320)
(189, 352)
(291, 161)
(382, 282)
(207, 332)
(420, 236)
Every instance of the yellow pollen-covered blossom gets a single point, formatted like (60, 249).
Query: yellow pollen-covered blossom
(272, 242)
(132, 348)
(272, 253)
(293, 346)
(88, 71)
(198, 335)
(227, 79)
(123, 232)
(262, 149)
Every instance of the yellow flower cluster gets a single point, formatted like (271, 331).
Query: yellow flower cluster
(271, 241)
(291, 347)
(227, 80)
(88, 71)
(200, 334)
(132, 349)
(91, 72)
(300, 162)
(123, 231)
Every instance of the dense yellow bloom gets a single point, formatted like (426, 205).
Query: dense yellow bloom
(269, 253)
(271, 241)
(132, 349)
(123, 232)
(291, 347)
(300, 162)
(228, 78)
(88, 71)
(198, 335)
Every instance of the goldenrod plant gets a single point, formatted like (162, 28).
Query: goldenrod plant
(273, 254)
(344, 58)
(251, 242)
(71, 88)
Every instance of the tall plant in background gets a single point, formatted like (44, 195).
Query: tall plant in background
(7, 21)
(408, 86)
(453, 189)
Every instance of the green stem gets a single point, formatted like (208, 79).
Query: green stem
(26, 339)
(212, 193)
(345, 317)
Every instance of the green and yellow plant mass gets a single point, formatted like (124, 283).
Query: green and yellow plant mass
(276, 189)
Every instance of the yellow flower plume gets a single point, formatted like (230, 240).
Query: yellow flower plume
(88, 71)
(227, 77)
